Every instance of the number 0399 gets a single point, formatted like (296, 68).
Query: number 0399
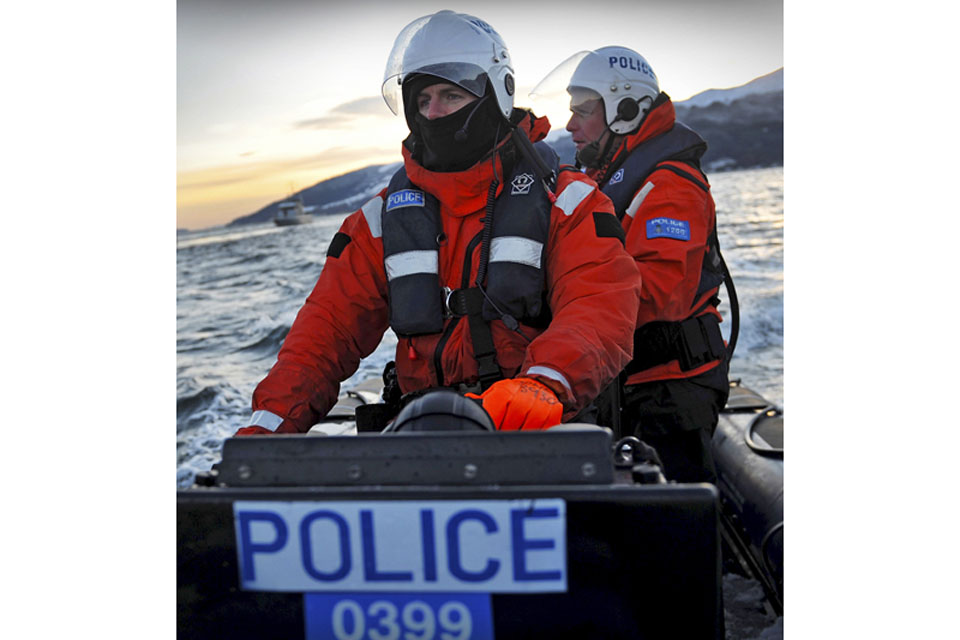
(398, 616)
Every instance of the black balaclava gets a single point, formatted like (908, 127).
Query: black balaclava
(457, 141)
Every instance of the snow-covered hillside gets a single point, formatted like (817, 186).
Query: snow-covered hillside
(764, 84)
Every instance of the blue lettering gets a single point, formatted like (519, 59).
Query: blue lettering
(453, 546)
(405, 198)
(521, 544)
(306, 553)
(634, 64)
(483, 25)
(429, 546)
(248, 547)
(370, 571)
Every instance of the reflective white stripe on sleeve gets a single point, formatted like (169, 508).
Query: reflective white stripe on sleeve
(266, 420)
(371, 211)
(516, 249)
(411, 262)
(638, 199)
(571, 197)
(547, 372)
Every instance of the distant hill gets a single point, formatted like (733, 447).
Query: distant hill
(770, 83)
(743, 127)
(341, 194)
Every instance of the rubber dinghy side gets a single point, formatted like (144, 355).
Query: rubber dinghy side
(748, 452)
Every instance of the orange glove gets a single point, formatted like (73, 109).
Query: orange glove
(253, 431)
(521, 404)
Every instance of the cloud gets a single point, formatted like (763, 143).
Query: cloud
(346, 113)
(226, 175)
(369, 106)
(325, 122)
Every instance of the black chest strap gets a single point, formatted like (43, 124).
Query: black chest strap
(469, 303)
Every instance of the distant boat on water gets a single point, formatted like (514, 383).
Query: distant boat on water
(291, 212)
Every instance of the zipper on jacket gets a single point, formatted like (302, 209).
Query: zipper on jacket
(448, 331)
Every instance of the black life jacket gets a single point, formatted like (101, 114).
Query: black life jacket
(517, 244)
(622, 180)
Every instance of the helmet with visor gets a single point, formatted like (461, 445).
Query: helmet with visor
(459, 48)
(621, 77)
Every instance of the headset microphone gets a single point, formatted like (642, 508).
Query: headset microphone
(590, 154)
(461, 134)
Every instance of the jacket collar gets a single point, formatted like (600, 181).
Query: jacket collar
(464, 192)
(658, 120)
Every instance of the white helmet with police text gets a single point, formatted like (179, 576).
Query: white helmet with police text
(457, 47)
(622, 77)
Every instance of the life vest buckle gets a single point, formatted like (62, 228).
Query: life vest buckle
(698, 342)
(462, 302)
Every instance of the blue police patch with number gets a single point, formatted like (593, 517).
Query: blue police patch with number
(617, 177)
(668, 228)
(405, 198)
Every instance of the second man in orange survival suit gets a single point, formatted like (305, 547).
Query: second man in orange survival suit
(649, 165)
(493, 284)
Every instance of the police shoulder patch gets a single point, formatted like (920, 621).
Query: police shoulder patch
(405, 198)
(668, 228)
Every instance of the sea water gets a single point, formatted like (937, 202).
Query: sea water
(239, 290)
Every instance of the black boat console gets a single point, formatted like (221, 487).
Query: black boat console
(445, 534)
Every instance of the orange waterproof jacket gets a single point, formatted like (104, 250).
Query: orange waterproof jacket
(670, 264)
(592, 287)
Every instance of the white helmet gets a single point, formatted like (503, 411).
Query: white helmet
(621, 76)
(457, 47)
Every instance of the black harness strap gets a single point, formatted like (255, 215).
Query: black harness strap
(469, 303)
(693, 342)
(683, 174)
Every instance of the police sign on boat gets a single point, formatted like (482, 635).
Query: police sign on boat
(490, 546)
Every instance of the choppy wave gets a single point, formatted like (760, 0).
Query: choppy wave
(239, 290)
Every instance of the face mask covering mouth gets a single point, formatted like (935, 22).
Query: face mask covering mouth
(457, 141)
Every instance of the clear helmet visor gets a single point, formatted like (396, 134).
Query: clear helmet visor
(441, 45)
(469, 77)
(586, 75)
(554, 85)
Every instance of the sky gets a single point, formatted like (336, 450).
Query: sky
(273, 97)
